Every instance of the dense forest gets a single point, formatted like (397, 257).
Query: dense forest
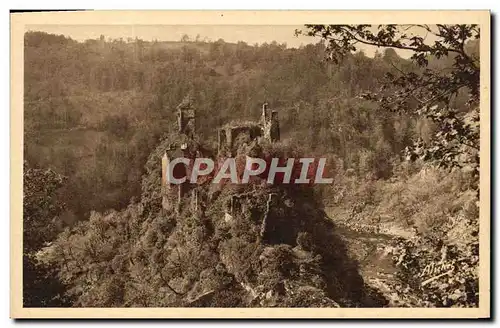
(98, 115)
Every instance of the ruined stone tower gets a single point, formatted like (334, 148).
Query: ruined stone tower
(172, 193)
(186, 118)
(186, 122)
(270, 124)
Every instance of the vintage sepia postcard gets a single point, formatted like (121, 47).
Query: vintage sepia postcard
(239, 164)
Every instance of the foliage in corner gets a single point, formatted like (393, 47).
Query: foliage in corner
(428, 92)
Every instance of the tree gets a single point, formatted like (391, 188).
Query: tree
(40, 206)
(425, 92)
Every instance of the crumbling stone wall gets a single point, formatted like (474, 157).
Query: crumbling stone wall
(230, 138)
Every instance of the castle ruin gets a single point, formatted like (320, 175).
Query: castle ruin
(230, 139)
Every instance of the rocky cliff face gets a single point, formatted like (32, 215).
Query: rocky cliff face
(257, 245)
(242, 245)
